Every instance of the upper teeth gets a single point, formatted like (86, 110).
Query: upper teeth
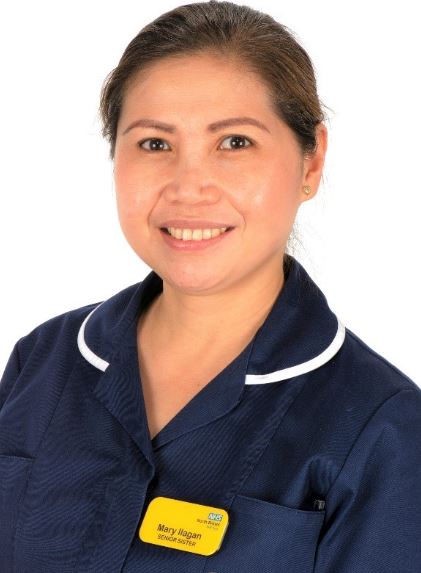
(195, 234)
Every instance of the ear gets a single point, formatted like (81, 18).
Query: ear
(313, 165)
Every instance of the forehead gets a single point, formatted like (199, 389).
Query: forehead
(196, 82)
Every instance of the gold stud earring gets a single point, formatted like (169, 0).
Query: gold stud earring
(307, 189)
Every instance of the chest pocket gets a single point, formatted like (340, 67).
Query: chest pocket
(264, 537)
(14, 471)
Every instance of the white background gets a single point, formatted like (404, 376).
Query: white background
(61, 243)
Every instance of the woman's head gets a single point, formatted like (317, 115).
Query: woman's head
(193, 67)
(252, 40)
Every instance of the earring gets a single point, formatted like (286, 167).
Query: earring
(307, 189)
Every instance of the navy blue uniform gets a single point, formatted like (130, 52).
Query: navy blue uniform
(308, 438)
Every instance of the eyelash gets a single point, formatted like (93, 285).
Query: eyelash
(140, 143)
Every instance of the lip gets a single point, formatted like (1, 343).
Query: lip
(194, 224)
(180, 245)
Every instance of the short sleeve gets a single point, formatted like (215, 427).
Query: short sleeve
(373, 509)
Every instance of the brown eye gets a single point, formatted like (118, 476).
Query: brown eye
(156, 144)
(238, 141)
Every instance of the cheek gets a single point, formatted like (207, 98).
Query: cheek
(131, 194)
(273, 203)
(131, 202)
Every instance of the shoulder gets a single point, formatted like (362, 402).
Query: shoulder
(375, 445)
(357, 388)
(63, 328)
(52, 346)
(368, 367)
(380, 415)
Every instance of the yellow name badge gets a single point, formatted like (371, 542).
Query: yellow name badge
(183, 525)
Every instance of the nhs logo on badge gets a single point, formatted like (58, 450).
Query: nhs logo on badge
(215, 516)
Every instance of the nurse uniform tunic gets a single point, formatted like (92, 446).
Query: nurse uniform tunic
(309, 439)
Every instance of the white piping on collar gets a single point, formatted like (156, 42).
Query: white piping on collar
(86, 352)
(304, 367)
(277, 376)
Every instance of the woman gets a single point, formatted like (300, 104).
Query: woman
(216, 416)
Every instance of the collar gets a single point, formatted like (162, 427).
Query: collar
(300, 333)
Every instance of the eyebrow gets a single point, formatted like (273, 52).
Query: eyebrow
(215, 126)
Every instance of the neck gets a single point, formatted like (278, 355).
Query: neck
(231, 316)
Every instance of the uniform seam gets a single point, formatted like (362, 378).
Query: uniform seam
(18, 514)
(76, 363)
(367, 422)
(8, 391)
(365, 347)
(292, 399)
(18, 356)
(18, 517)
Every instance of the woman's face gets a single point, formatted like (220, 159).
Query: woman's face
(241, 175)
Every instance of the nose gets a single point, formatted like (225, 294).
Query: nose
(191, 185)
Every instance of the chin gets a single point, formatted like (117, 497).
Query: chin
(194, 282)
(194, 285)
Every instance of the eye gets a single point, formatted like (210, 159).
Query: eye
(157, 144)
(238, 139)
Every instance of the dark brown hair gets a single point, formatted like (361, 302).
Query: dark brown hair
(239, 34)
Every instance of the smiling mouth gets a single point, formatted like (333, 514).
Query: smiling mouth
(195, 234)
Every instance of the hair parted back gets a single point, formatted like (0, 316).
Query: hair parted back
(250, 39)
